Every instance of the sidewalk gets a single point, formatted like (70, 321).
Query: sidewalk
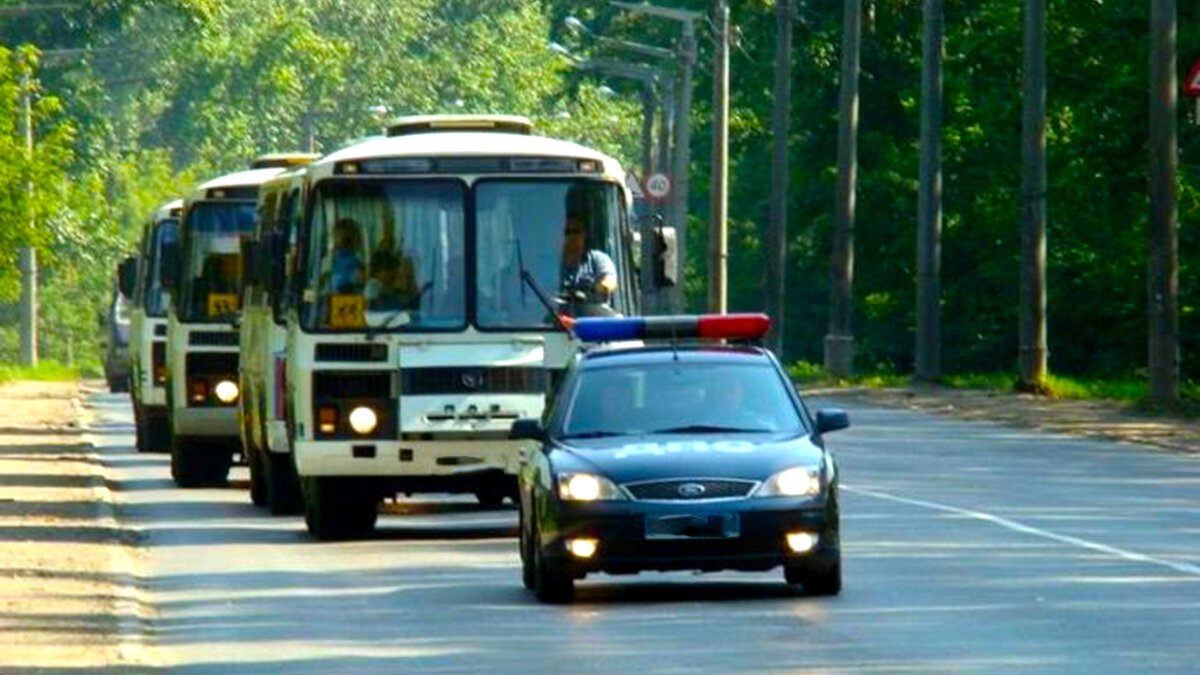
(1111, 420)
(58, 542)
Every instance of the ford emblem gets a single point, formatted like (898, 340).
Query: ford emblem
(691, 490)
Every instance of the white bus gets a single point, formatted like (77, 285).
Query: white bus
(202, 345)
(263, 341)
(423, 312)
(148, 331)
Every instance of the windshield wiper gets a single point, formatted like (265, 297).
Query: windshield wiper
(707, 429)
(563, 322)
(596, 434)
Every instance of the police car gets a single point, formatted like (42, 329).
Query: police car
(678, 457)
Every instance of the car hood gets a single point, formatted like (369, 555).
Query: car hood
(635, 458)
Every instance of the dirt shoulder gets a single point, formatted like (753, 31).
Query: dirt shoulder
(1100, 419)
(59, 546)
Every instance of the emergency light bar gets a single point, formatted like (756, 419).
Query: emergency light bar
(704, 327)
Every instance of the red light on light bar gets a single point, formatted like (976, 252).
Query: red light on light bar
(733, 326)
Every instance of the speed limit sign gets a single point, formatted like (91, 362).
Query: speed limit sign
(658, 185)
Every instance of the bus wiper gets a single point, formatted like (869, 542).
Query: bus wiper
(706, 429)
(372, 331)
(563, 322)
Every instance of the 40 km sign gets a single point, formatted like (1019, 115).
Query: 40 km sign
(1191, 87)
(658, 186)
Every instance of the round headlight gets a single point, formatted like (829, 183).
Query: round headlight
(583, 487)
(226, 391)
(363, 420)
(796, 482)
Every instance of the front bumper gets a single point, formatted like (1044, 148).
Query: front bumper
(624, 547)
(390, 458)
(207, 422)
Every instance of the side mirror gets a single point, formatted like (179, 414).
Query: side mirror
(527, 429)
(170, 266)
(832, 419)
(272, 259)
(666, 268)
(127, 276)
(251, 262)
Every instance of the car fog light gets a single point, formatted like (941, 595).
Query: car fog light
(363, 420)
(226, 391)
(801, 542)
(582, 548)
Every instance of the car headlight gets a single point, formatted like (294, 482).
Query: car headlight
(800, 481)
(363, 420)
(587, 487)
(226, 391)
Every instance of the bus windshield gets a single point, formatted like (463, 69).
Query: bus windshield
(166, 232)
(211, 271)
(565, 233)
(386, 255)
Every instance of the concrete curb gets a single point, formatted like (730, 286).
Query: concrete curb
(131, 609)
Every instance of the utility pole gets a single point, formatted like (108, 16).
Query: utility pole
(929, 201)
(718, 243)
(1163, 291)
(29, 290)
(648, 113)
(839, 343)
(781, 115)
(1033, 198)
(686, 55)
(308, 140)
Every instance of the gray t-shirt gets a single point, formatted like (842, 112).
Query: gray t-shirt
(594, 266)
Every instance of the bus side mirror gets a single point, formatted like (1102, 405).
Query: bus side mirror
(272, 260)
(170, 266)
(127, 276)
(251, 262)
(666, 256)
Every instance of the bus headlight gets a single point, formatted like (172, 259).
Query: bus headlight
(226, 391)
(363, 420)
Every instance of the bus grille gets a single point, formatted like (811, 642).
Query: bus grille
(333, 351)
(433, 381)
(213, 339)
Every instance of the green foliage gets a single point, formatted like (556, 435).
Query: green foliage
(45, 371)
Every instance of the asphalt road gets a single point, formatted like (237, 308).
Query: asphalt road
(967, 548)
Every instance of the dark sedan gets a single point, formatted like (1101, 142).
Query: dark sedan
(678, 458)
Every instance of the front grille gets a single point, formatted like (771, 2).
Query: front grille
(332, 351)
(429, 381)
(213, 339)
(219, 364)
(669, 490)
(347, 385)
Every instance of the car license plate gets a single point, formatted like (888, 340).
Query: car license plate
(679, 526)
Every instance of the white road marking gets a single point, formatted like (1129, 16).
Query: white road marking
(1132, 556)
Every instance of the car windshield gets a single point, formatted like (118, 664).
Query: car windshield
(565, 233)
(166, 232)
(680, 397)
(212, 260)
(386, 255)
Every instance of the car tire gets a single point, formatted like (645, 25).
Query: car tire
(197, 462)
(490, 499)
(283, 487)
(334, 510)
(553, 583)
(258, 481)
(528, 577)
(817, 580)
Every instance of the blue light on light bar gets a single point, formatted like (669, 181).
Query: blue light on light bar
(608, 330)
(705, 327)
